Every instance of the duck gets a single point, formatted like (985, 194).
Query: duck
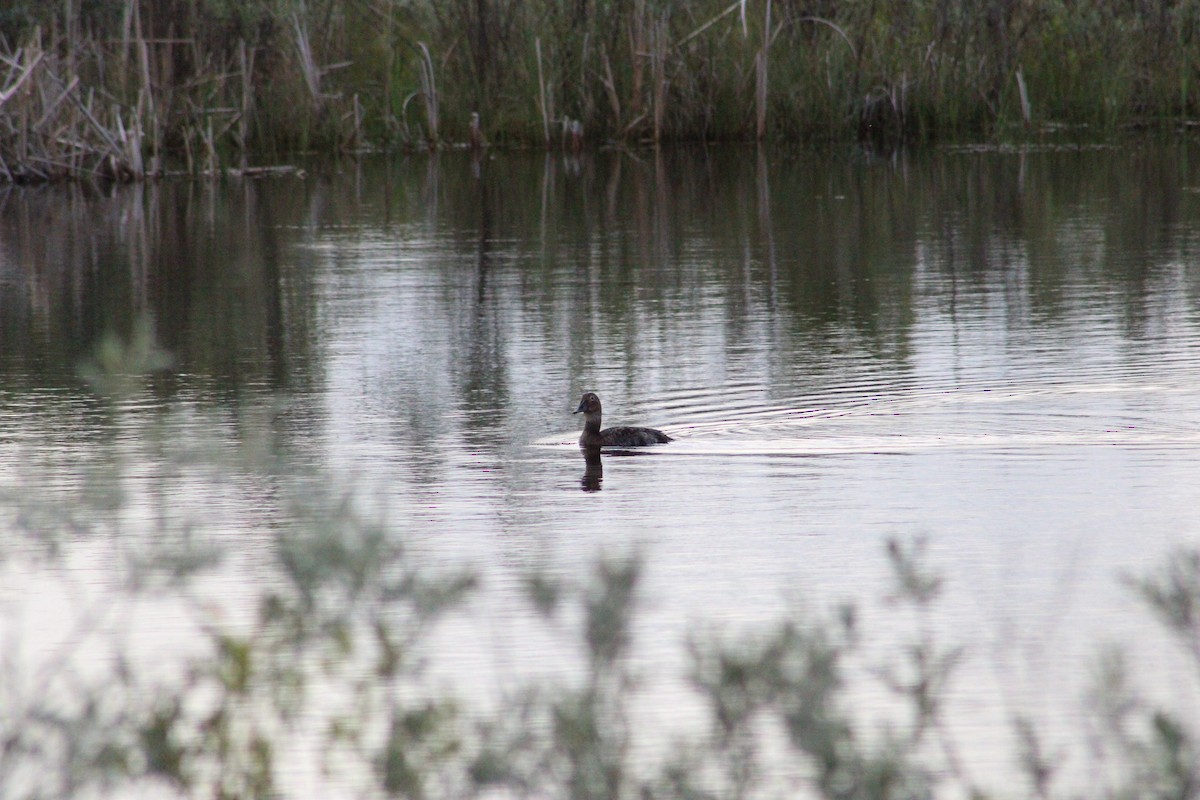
(593, 437)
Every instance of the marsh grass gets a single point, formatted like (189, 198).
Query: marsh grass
(118, 90)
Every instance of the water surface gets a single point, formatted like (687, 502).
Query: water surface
(994, 350)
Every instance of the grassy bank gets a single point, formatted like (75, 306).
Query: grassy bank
(114, 87)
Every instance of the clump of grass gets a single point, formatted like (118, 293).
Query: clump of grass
(117, 90)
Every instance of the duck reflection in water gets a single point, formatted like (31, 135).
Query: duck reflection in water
(592, 439)
(593, 472)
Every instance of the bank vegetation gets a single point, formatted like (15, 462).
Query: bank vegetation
(130, 88)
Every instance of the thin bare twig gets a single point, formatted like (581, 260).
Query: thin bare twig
(8, 93)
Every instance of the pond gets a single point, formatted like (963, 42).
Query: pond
(993, 352)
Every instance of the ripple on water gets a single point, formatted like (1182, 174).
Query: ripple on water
(1141, 408)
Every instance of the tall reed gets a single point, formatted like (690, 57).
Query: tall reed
(116, 90)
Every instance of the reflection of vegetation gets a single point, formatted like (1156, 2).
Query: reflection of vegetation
(839, 254)
(201, 261)
(328, 655)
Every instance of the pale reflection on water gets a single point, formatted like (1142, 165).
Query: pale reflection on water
(998, 352)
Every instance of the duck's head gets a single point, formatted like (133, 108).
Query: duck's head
(588, 404)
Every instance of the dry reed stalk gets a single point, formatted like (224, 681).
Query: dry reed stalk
(713, 21)
(389, 69)
(588, 105)
(658, 66)
(1026, 112)
(15, 86)
(189, 158)
(149, 109)
(70, 24)
(85, 109)
(429, 93)
(761, 68)
(637, 50)
(210, 148)
(357, 133)
(837, 29)
(308, 65)
(131, 140)
(121, 65)
(246, 64)
(543, 105)
(148, 113)
(52, 107)
(610, 89)
(476, 139)
(576, 136)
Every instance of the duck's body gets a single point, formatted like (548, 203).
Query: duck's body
(625, 437)
(593, 437)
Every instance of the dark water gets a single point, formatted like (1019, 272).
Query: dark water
(998, 351)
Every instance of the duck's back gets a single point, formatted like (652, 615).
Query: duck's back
(632, 437)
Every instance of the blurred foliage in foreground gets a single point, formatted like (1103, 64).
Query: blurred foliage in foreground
(331, 661)
(329, 655)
